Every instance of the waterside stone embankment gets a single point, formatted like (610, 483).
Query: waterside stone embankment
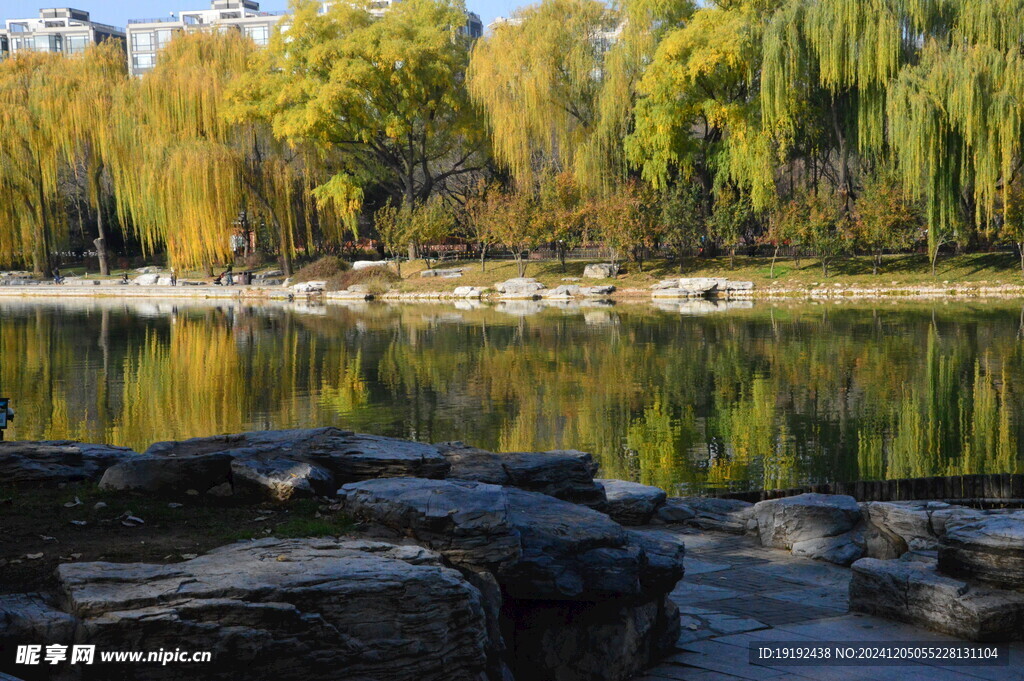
(593, 287)
(470, 564)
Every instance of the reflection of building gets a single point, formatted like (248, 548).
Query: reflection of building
(146, 37)
(63, 30)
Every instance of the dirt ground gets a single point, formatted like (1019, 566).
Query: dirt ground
(41, 528)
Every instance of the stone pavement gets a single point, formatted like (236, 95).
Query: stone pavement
(735, 592)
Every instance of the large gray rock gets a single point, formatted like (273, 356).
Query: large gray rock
(781, 523)
(168, 476)
(909, 522)
(301, 609)
(841, 549)
(278, 478)
(275, 464)
(564, 473)
(912, 591)
(564, 291)
(630, 503)
(519, 288)
(989, 550)
(538, 547)
(581, 597)
(55, 461)
(605, 270)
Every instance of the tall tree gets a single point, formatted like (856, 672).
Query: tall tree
(384, 95)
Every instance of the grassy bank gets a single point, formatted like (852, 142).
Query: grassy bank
(990, 269)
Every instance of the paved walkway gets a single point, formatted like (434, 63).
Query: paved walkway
(735, 592)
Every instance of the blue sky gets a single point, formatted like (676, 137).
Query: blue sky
(118, 13)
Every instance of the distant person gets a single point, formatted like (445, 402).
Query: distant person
(57, 279)
(230, 275)
(174, 277)
(124, 278)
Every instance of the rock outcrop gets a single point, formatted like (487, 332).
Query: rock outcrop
(566, 473)
(630, 503)
(814, 525)
(274, 464)
(56, 461)
(989, 549)
(301, 609)
(571, 579)
(914, 592)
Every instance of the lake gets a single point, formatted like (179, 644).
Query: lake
(687, 397)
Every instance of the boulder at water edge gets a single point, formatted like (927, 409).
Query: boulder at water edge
(565, 473)
(57, 461)
(581, 597)
(989, 549)
(630, 503)
(275, 464)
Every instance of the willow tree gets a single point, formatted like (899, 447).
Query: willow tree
(176, 177)
(557, 82)
(698, 117)
(382, 96)
(36, 144)
(100, 77)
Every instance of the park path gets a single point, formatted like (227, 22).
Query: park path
(736, 592)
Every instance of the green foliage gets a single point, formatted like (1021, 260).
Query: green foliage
(684, 218)
(885, 218)
(818, 222)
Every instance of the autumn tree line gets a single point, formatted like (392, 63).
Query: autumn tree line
(648, 126)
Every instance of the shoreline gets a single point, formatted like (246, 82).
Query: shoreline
(253, 292)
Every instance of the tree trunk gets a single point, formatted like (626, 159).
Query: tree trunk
(877, 263)
(41, 253)
(824, 268)
(286, 249)
(732, 258)
(520, 264)
(775, 255)
(483, 258)
(1020, 249)
(101, 230)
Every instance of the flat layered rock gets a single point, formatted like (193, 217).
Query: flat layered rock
(914, 592)
(55, 461)
(275, 464)
(719, 515)
(781, 523)
(538, 547)
(301, 609)
(564, 473)
(631, 503)
(989, 550)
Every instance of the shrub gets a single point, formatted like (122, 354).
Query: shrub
(378, 279)
(321, 270)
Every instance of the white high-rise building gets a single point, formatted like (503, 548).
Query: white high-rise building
(146, 37)
(64, 30)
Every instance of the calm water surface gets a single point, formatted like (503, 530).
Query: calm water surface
(684, 398)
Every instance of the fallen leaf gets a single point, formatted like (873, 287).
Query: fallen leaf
(72, 504)
(33, 556)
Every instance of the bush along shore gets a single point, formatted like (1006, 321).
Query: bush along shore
(358, 556)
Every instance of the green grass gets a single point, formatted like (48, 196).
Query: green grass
(896, 271)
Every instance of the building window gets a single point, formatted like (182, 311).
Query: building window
(163, 37)
(259, 34)
(143, 62)
(142, 42)
(77, 43)
(47, 43)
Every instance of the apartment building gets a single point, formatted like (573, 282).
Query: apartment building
(146, 37)
(64, 30)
